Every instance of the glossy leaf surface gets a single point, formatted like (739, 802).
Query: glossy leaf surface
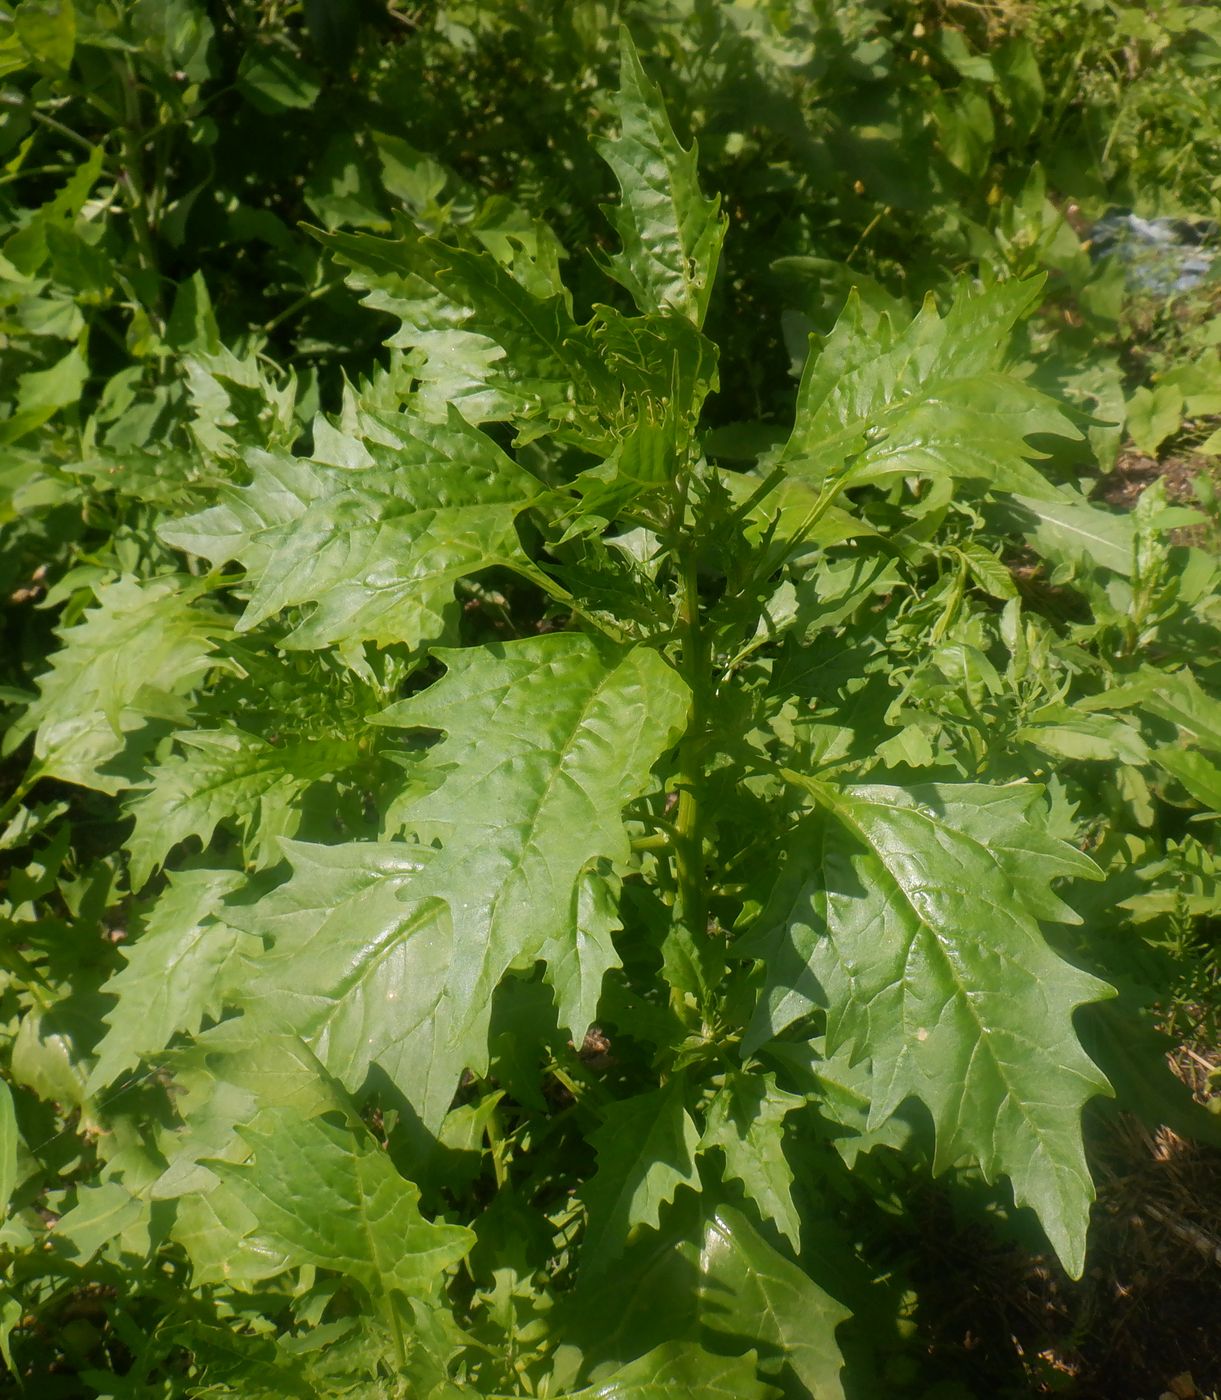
(912, 916)
(557, 734)
(376, 544)
(671, 234)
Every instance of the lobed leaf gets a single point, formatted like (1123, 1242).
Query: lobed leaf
(357, 968)
(671, 235)
(556, 735)
(124, 669)
(931, 399)
(182, 968)
(327, 1197)
(751, 1292)
(646, 1149)
(477, 337)
(375, 543)
(911, 915)
(746, 1122)
(721, 1284)
(227, 774)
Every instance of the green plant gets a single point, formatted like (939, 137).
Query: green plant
(574, 891)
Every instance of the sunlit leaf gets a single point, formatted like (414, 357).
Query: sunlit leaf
(911, 915)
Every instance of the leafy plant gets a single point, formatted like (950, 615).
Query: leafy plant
(584, 855)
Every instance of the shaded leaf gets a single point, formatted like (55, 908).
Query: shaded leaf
(577, 965)
(646, 1148)
(9, 1138)
(328, 1197)
(751, 1292)
(746, 1121)
(182, 968)
(131, 660)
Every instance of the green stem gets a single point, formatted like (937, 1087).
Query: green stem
(689, 845)
(18, 796)
(396, 1331)
(60, 129)
(131, 141)
(496, 1145)
(300, 304)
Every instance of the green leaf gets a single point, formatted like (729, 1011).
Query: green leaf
(101, 1214)
(1153, 416)
(498, 344)
(129, 663)
(46, 391)
(192, 325)
(1179, 698)
(342, 188)
(577, 965)
(10, 1136)
(660, 359)
(556, 734)
(751, 1292)
(47, 29)
(911, 915)
(47, 1055)
(27, 249)
(681, 1371)
(931, 399)
(1067, 732)
(646, 1148)
(216, 1229)
(232, 1072)
(358, 966)
(223, 1078)
(746, 1121)
(329, 1197)
(42, 393)
(671, 234)
(988, 572)
(1200, 777)
(376, 541)
(181, 969)
(844, 1092)
(1075, 532)
(716, 1282)
(227, 774)
(273, 79)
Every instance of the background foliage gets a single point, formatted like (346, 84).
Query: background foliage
(251, 256)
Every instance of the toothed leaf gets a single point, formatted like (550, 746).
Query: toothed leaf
(671, 234)
(912, 916)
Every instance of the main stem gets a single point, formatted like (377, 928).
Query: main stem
(689, 843)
